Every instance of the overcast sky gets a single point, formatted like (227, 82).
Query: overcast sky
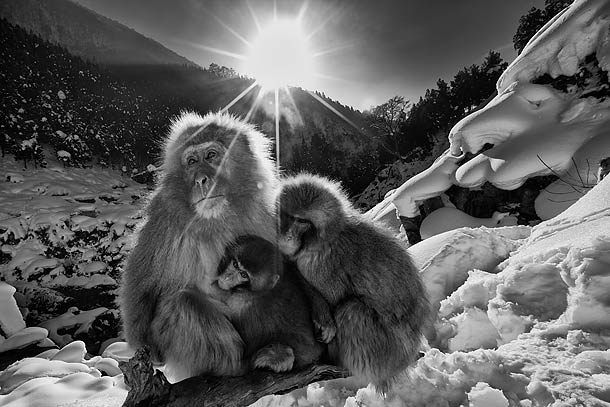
(376, 48)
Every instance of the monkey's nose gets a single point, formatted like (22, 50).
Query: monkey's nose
(201, 180)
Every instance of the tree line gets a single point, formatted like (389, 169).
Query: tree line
(399, 126)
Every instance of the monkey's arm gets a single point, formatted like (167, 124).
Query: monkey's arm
(138, 302)
(321, 315)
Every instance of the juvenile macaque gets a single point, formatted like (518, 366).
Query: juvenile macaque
(380, 305)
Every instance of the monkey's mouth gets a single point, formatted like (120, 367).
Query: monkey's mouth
(208, 198)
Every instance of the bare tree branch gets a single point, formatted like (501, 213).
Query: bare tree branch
(388, 118)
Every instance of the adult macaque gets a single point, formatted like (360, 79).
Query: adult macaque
(218, 183)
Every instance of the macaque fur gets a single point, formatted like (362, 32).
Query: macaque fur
(378, 299)
(268, 306)
(218, 183)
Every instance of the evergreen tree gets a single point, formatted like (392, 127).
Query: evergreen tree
(534, 20)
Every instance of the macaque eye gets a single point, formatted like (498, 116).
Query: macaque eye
(535, 103)
(301, 221)
(243, 274)
(191, 160)
(210, 155)
(235, 263)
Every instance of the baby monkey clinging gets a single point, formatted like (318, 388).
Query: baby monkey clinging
(268, 306)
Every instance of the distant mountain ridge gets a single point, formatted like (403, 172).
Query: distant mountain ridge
(87, 34)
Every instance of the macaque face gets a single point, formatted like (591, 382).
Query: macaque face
(234, 276)
(237, 277)
(294, 232)
(207, 176)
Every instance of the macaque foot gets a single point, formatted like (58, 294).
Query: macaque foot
(276, 357)
(324, 332)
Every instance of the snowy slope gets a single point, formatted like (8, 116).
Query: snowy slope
(87, 34)
(64, 226)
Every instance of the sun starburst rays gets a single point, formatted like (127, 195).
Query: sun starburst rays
(279, 56)
(239, 97)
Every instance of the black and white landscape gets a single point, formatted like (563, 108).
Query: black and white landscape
(494, 180)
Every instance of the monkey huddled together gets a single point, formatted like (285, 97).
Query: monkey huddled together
(212, 287)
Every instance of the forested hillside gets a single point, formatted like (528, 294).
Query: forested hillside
(117, 115)
(422, 132)
(52, 97)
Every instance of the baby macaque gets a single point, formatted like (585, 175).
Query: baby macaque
(268, 306)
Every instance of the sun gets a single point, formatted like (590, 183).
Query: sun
(279, 56)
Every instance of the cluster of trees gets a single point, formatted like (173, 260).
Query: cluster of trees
(400, 127)
(533, 21)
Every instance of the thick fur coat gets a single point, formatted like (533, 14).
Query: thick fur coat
(168, 299)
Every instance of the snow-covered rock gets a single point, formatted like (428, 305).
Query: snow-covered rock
(447, 218)
(72, 318)
(63, 377)
(13, 332)
(11, 320)
(482, 395)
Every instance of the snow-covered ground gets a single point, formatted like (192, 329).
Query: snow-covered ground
(49, 215)
(64, 226)
(63, 231)
(523, 319)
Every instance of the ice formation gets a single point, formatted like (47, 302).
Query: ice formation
(533, 129)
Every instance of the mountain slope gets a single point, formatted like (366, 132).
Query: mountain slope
(86, 33)
(120, 113)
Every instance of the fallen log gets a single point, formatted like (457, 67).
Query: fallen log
(150, 388)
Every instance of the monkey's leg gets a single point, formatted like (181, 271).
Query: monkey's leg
(366, 345)
(196, 337)
(276, 356)
(306, 349)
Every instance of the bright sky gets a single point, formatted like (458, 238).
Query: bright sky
(366, 50)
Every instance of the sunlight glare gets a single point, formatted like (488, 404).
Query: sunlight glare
(280, 56)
